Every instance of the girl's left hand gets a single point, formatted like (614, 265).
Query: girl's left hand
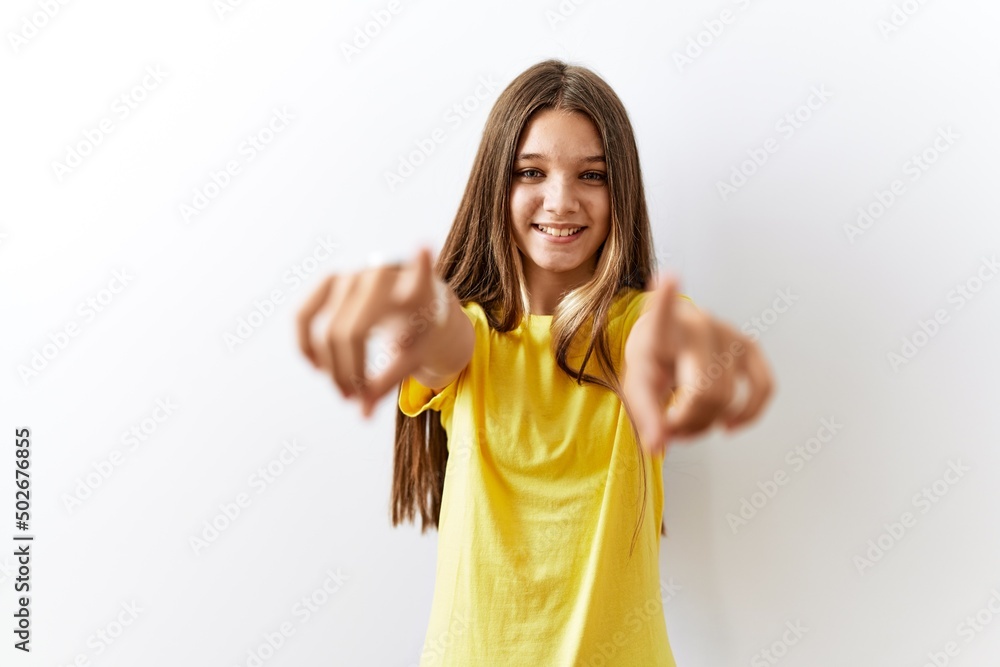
(675, 349)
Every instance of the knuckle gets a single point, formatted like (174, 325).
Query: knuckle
(334, 335)
(714, 403)
(696, 427)
(354, 333)
(713, 398)
(700, 429)
(697, 420)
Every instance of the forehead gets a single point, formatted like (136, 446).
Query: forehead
(558, 132)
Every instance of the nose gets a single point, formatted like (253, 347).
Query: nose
(560, 197)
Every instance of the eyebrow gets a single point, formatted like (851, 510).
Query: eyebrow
(539, 156)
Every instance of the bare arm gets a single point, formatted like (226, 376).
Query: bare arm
(450, 347)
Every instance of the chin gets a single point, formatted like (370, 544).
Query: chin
(557, 264)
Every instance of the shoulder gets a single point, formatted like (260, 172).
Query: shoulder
(628, 305)
(474, 311)
(625, 310)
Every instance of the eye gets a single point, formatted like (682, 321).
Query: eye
(529, 173)
(597, 176)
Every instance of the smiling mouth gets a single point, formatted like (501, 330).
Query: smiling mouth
(559, 233)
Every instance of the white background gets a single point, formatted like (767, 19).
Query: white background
(323, 176)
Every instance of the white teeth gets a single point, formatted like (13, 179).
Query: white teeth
(559, 232)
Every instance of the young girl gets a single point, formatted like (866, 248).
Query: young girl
(527, 360)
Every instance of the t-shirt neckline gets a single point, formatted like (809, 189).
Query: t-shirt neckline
(537, 321)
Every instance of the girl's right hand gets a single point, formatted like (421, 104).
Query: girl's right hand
(402, 300)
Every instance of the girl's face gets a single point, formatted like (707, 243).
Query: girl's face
(559, 187)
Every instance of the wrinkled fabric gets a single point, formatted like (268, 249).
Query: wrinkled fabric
(541, 500)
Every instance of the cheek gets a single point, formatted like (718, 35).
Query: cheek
(522, 205)
(600, 212)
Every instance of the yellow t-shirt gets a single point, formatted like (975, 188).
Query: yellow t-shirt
(541, 498)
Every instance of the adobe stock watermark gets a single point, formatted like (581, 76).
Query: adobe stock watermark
(784, 300)
(634, 621)
(797, 457)
(220, 179)
(303, 611)
(416, 323)
(453, 117)
(7, 570)
(434, 647)
(224, 7)
(32, 24)
(786, 127)
(960, 295)
(924, 500)
(663, 257)
(557, 531)
(365, 34)
(121, 108)
(231, 510)
(131, 440)
(88, 309)
(562, 12)
(105, 636)
(264, 308)
(914, 167)
(968, 629)
(779, 648)
(669, 590)
(900, 15)
(712, 30)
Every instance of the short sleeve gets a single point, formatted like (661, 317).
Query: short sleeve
(636, 303)
(415, 398)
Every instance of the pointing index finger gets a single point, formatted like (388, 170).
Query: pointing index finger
(661, 313)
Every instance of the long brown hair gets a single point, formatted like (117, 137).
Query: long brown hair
(481, 263)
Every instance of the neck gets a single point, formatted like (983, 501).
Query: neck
(546, 288)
